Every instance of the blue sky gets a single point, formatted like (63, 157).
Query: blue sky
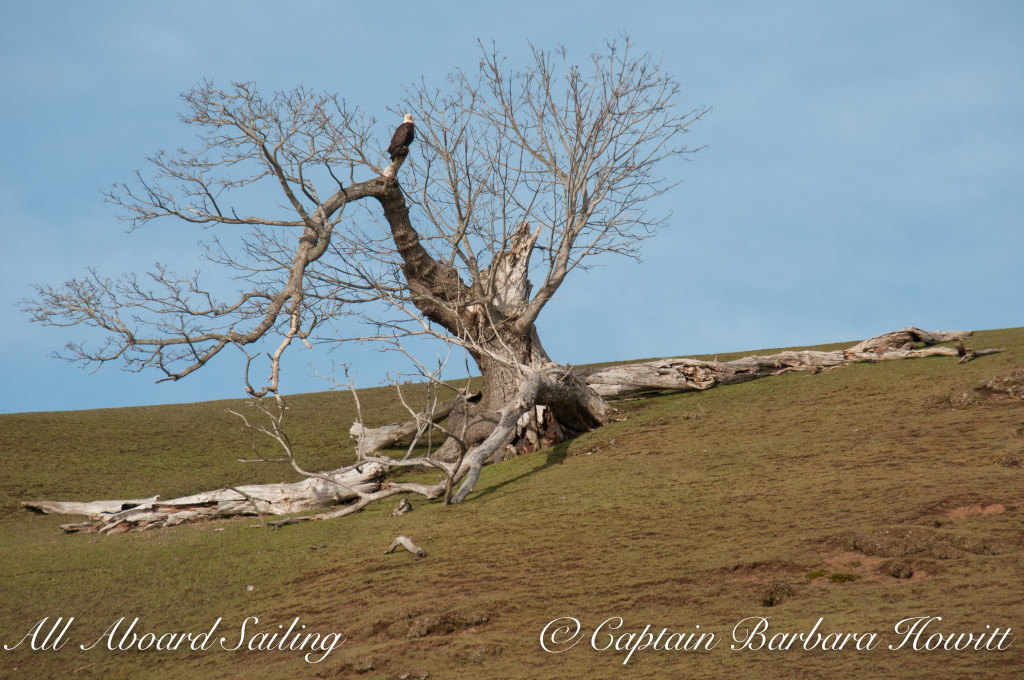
(863, 169)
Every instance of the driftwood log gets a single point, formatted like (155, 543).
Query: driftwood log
(312, 493)
(403, 542)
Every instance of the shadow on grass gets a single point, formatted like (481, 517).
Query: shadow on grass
(553, 456)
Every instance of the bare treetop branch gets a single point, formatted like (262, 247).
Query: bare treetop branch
(516, 178)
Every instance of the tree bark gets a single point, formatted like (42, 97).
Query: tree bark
(686, 375)
(485, 317)
(312, 493)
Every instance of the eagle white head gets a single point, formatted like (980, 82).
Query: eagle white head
(408, 118)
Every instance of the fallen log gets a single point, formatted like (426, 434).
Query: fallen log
(682, 374)
(403, 542)
(905, 339)
(326, 489)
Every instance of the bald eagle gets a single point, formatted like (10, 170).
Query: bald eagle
(404, 135)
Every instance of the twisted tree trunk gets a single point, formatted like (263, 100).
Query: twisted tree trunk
(486, 316)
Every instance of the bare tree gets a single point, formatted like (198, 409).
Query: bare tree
(522, 176)
(517, 178)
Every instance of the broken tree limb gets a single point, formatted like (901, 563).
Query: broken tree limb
(905, 339)
(312, 493)
(369, 439)
(685, 375)
(404, 506)
(86, 508)
(967, 354)
(406, 543)
(523, 401)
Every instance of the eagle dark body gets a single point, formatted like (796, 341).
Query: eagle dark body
(404, 135)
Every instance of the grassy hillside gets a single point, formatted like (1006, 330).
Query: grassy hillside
(862, 496)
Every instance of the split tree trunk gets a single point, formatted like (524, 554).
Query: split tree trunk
(484, 315)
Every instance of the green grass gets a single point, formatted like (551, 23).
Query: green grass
(685, 513)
